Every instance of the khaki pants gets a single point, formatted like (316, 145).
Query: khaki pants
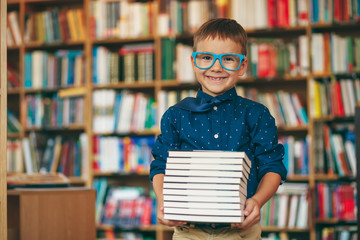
(225, 233)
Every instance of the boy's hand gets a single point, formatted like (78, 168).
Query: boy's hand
(169, 223)
(252, 214)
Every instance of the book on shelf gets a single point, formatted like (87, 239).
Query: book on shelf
(13, 80)
(14, 27)
(15, 160)
(13, 124)
(185, 185)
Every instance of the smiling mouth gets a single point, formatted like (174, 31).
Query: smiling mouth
(216, 78)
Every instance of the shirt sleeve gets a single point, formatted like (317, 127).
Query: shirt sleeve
(268, 152)
(167, 140)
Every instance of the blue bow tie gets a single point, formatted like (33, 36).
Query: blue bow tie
(200, 104)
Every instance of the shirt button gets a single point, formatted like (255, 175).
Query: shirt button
(216, 136)
(215, 108)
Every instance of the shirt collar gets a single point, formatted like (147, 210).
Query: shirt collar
(230, 94)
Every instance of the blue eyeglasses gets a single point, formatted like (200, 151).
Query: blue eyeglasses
(229, 61)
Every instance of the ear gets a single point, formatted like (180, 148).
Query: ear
(193, 63)
(243, 66)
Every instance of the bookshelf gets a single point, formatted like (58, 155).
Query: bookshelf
(357, 132)
(159, 43)
(3, 122)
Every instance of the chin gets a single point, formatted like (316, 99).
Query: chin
(216, 91)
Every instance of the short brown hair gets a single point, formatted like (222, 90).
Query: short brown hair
(222, 28)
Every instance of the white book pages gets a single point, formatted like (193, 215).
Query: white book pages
(197, 218)
(205, 205)
(214, 199)
(203, 212)
(186, 179)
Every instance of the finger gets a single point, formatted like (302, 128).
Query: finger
(236, 225)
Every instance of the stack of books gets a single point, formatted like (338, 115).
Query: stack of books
(206, 186)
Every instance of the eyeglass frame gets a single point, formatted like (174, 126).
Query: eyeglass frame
(218, 56)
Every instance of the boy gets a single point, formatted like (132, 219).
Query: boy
(218, 119)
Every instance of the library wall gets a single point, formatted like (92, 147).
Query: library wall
(88, 81)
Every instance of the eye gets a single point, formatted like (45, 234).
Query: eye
(229, 58)
(207, 57)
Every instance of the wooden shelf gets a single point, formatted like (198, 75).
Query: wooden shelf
(274, 79)
(298, 178)
(53, 129)
(150, 228)
(107, 41)
(333, 119)
(119, 174)
(277, 229)
(121, 85)
(56, 45)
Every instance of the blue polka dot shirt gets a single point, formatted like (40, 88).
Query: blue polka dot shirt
(237, 125)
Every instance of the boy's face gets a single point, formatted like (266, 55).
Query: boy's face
(217, 80)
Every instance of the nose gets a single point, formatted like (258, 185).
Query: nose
(217, 66)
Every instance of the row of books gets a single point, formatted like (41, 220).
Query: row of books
(131, 63)
(63, 68)
(124, 207)
(279, 236)
(121, 19)
(13, 124)
(338, 232)
(13, 35)
(334, 97)
(55, 25)
(263, 14)
(53, 112)
(185, 17)
(122, 154)
(336, 200)
(334, 53)
(287, 108)
(50, 154)
(127, 207)
(336, 11)
(122, 112)
(270, 58)
(175, 61)
(335, 150)
(296, 158)
(288, 208)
